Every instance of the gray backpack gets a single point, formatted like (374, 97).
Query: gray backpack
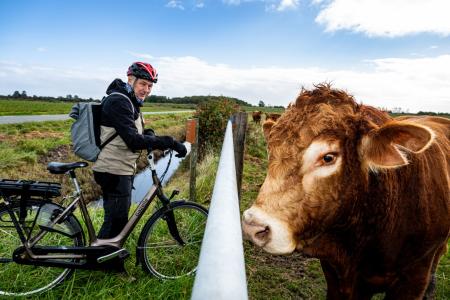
(85, 131)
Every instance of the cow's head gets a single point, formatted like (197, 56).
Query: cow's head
(321, 151)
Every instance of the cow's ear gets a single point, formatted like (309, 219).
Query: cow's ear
(385, 147)
(267, 126)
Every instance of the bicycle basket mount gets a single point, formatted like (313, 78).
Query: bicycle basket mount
(34, 189)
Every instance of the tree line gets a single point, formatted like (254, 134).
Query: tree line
(193, 99)
(152, 98)
(68, 98)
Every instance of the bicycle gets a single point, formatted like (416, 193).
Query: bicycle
(41, 238)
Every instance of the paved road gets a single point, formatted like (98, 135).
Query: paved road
(40, 118)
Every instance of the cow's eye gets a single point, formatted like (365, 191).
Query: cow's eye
(329, 158)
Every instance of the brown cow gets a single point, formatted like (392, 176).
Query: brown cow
(366, 194)
(273, 116)
(256, 115)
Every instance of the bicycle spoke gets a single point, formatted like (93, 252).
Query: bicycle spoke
(25, 280)
(10, 234)
(162, 255)
(174, 245)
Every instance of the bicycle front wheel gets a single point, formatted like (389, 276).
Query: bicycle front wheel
(160, 252)
(25, 280)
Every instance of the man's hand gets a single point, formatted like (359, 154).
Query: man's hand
(149, 131)
(167, 142)
(180, 148)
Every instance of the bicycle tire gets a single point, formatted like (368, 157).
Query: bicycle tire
(28, 280)
(159, 252)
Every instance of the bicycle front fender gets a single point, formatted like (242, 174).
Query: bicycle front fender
(166, 211)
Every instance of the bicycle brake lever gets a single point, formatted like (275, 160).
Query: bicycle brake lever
(174, 193)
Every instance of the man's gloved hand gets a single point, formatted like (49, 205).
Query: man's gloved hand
(180, 148)
(149, 131)
(163, 142)
(167, 142)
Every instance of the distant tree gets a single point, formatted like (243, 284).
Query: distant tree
(75, 97)
(69, 97)
(16, 94)
(261, 104)
(24, 94)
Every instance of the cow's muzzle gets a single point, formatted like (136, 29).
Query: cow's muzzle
(267, 231)
(255, 231)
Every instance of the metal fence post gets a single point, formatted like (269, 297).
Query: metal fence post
(221, 268)
(239, 130)
(192, 137)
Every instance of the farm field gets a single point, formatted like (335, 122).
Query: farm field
(26, 148)
(11, 107)
(263, 109)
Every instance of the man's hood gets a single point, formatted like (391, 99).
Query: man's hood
(117, 86)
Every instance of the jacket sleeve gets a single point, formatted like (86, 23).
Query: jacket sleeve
(118, 113)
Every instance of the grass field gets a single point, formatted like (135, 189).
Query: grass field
(263, 109)
(11, 107)
(25, 149)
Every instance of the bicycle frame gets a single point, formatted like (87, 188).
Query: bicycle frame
(115, 242)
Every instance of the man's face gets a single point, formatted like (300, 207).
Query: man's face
(142, 88)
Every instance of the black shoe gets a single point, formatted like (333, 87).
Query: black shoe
(116, 266)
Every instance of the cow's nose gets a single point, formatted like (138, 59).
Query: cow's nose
(255, 230)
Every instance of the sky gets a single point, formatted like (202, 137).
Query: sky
(386, 53)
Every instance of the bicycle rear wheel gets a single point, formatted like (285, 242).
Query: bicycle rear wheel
(160, 253)
(24, 280)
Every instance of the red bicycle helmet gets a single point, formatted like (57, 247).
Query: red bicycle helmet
(144, 71)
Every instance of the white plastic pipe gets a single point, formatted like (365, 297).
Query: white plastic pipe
(221, 269)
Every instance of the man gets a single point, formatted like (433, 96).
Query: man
(116, 163)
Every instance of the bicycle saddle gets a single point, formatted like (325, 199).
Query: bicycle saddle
(61, 168)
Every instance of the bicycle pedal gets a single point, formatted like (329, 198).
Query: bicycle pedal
(121, 253)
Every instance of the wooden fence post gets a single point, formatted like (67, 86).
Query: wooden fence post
(192, 137)
(239, 121)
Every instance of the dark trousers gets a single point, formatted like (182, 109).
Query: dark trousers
(116, 202)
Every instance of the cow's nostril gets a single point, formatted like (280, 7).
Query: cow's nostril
(263, 234)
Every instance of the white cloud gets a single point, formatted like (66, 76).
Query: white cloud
(410, 83)
(270, 5)
(199, 4)
(287, 4)
(140, 55)
(41, 49)
(232, 2)
(175, 4)
(389, 18)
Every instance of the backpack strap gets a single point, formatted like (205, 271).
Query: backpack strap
(129, 100)
(103, 145)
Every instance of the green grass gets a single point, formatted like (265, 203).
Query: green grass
(11, 107)
(443, 277)
(263, 109)
(25, 142)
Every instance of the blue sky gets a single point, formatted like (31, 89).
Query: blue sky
(387, 53)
